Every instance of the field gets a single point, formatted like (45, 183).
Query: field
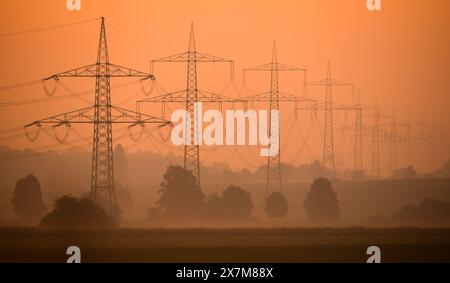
(226, 245)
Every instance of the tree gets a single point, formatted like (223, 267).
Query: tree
(405, 173)
(276, 205)
(428, 212)
(321, 203)
(27, 200)
(180, 195)
(78, 213)
(235, 203)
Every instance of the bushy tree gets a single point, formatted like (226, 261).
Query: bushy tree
(78, 213)
(27, 200)
(235, 203)
(180, 195)
(276, 205)
(321, 203)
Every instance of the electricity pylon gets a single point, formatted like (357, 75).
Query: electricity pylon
(393, 139)
(273, 181)
(376, 169)
(359, 131)
(431, 136)
(328, 164)
(358, 167)
(191, 95)
(102, 115)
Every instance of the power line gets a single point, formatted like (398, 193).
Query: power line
(127, 38)
(69, 94)
(8, 34)
(19, 85)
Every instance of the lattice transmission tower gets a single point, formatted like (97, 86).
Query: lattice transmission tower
(191, 95)
(328, 162)
(393, 143)
(376, 169)
(274, 178)
(358, 166)
(102, 115)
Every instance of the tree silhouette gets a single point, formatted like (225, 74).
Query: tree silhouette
(276, 205)
(74, 213)
(321, 203)
(27, 200)
(180, 195)
(235, 203)
(405, 173)
(428, 212)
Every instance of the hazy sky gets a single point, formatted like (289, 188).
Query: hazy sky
(398, 56)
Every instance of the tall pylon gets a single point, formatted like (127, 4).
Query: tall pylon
(102, 115)
(273, 182)
(376, 170)
(191, 151)
(328, 164)
(274, 97)
(102, 177)
(192, 93)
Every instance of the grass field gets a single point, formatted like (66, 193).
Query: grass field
(227, 245)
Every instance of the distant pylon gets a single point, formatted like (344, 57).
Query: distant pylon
(393, 144)
(328, 164)
(358, 168)
(376, 172)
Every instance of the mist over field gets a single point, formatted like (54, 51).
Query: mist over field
(362, 202)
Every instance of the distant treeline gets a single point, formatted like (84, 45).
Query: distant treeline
(132, 168)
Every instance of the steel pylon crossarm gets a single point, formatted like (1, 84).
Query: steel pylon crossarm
(90, 71)
(87, 116)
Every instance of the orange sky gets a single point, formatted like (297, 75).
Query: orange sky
(398, 56)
